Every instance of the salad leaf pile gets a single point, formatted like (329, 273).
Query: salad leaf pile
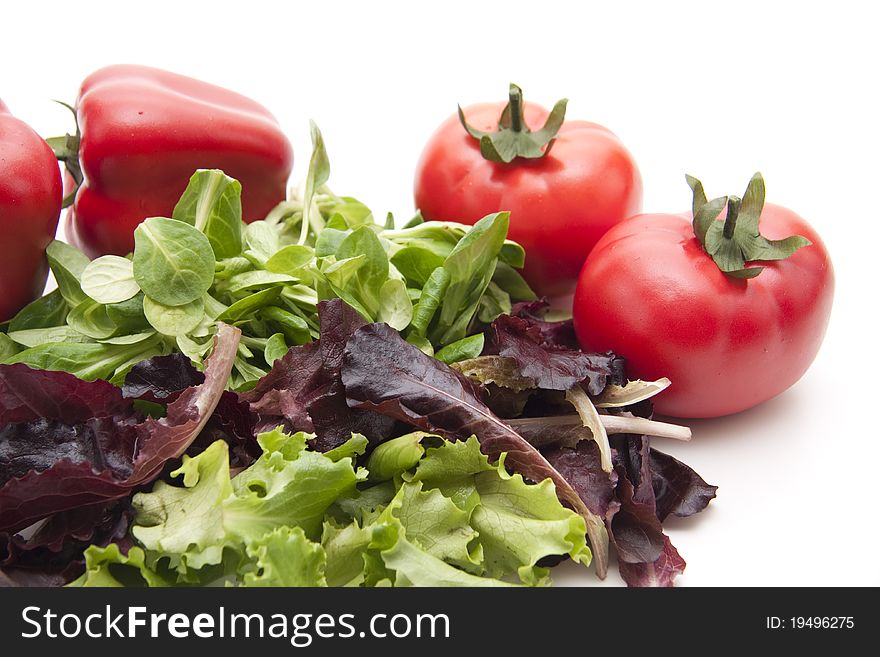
(354, 404)
(357, 460)
(435, 282)
(296, 518)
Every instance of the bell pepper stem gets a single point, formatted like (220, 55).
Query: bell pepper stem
(66, 150)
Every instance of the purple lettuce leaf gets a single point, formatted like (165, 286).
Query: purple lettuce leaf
(304, 392)
(309, 370)
(678, 490)
(53, 555)
(107, 443)
(168, 438)
(335, 421)
(581, 466)
(161, 378)
(646, 556)
(551, 367)
(551, 431)
(233, 422)
(635, 529)
(27, 394)
(283, 395)
(631, 459)
(645, 487)
(658, 573)
(504, 402)
(553, 334)
(383, 373)
(16, 577)
(47, 468)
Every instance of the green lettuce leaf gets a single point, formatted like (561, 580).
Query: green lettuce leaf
(186, 523)
(345, 548)
(434, 523)
(413, 566)
(108, 567)
(518, 523)
(351, 448)
(396, 456)
(366, 503)
(296, 517)
(288, 486)
(285, 557)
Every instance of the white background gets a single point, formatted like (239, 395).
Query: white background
(716, 90)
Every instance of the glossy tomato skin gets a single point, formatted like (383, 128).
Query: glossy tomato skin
(649, 292)
(145, 131)
(560, 205)
(30, 202)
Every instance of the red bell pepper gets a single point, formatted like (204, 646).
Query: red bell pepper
(142, 132)
(30, 203)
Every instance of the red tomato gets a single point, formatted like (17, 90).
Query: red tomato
(560, 204)
(650, 292)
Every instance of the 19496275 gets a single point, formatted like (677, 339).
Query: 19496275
(811, 622)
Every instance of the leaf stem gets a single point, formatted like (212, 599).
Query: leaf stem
(592, 421)
(614, 424)
(642, 426)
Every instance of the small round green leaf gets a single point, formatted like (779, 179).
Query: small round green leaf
(90, 318)
(290, 258)
(174, 320)
(109, 279)
(275, 349)
(173, 262)
(395, 308)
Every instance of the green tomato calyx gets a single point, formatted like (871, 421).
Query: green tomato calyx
(513, 138)
(737, 240)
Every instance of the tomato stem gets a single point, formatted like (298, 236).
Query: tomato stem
(733, 205)
(516, 108)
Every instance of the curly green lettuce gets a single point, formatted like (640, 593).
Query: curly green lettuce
(443, 515)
